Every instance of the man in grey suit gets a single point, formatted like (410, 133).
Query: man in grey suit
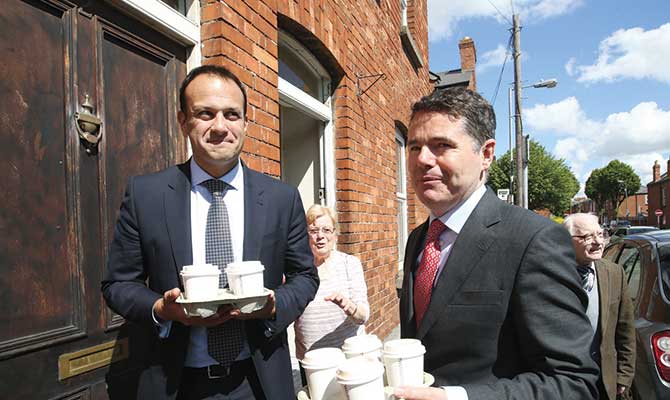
(489, 288)
(610, 308)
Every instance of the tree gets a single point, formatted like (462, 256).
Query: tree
(611, 183)
(551, 184)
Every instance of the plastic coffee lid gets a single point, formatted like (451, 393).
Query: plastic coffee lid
(199, 268)
(361, 343)
(245, 266)
(402, 347)
(326, 357)
(359, 370)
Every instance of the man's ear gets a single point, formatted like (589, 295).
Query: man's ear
(488, 153)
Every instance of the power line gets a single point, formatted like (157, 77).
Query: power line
(511, 3)
(501, 14)
(502, 70)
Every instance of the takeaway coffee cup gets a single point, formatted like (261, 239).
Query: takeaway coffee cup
(362, 378)
(201, 282)
(320, 368)
(362, 345)
(403, 360)
(245, 278)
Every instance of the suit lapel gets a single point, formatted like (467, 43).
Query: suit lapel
(472, 242)
(177, 203)
(604, 283)
(414, 247)
(255, 211)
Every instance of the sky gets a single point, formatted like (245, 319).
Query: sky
(611, 59)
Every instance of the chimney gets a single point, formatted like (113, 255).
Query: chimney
(468, 59)
(656, 171)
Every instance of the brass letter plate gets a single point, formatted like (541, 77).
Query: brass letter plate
(72, 364)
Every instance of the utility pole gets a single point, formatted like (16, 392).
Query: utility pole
(518, 135)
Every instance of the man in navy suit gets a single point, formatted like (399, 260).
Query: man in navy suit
(489, 288)
(162, 227)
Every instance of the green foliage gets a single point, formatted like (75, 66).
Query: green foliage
(611, 183)
(551, 183)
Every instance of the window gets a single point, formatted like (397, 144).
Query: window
(401, 195)
(630, 261)
(307, 155)
(662, 196)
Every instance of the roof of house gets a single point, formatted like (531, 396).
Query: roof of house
(455, 77)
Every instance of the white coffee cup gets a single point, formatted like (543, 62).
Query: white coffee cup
(201, 282)
(362, 378)
(245, 278)
(362, 345)
(403, 360)
(320, 368)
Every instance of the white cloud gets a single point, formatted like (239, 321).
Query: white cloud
(570, 66)
(638, 136)
(493, 58)
(444, 15)
(631, 53)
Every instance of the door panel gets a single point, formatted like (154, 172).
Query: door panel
(39, 278)
(61, 202)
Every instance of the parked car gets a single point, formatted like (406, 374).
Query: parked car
(620, 232)
(645, 258)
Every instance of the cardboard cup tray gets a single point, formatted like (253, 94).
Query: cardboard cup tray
(206, 308)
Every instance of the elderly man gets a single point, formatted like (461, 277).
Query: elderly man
(610, 309)
(489, 288)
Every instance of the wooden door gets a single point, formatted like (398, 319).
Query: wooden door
(61, 197)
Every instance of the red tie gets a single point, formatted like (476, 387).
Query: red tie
(425, 275)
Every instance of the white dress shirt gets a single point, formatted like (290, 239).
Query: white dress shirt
(454, 219)
(201, 198)
(197, 355)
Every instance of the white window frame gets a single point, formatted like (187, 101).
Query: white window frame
(293, 96)
(167, 20)
(401, 196)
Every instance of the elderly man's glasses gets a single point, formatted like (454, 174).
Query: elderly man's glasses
(326, 231)
(591, 237)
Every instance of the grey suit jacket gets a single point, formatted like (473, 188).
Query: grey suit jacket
(616, 328)
(507, 317)
(152, 241)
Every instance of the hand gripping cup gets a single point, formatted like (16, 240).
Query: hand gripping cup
(320, 367)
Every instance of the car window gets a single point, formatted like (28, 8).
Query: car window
(631, 264)
(612, 251)
(620, 232)
(664, 261)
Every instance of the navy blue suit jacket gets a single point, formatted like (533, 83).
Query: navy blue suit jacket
(152, 241)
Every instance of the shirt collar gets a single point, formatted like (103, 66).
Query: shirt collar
(232, 177)
(455, 218)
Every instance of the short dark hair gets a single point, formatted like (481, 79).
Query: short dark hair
(221, 72)
(459, 102)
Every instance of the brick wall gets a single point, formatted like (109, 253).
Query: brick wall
(348, 38)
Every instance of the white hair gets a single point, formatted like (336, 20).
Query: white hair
(570, 221)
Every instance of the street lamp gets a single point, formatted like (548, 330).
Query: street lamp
(522, 187)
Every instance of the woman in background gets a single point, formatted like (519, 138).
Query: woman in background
(340, 307)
